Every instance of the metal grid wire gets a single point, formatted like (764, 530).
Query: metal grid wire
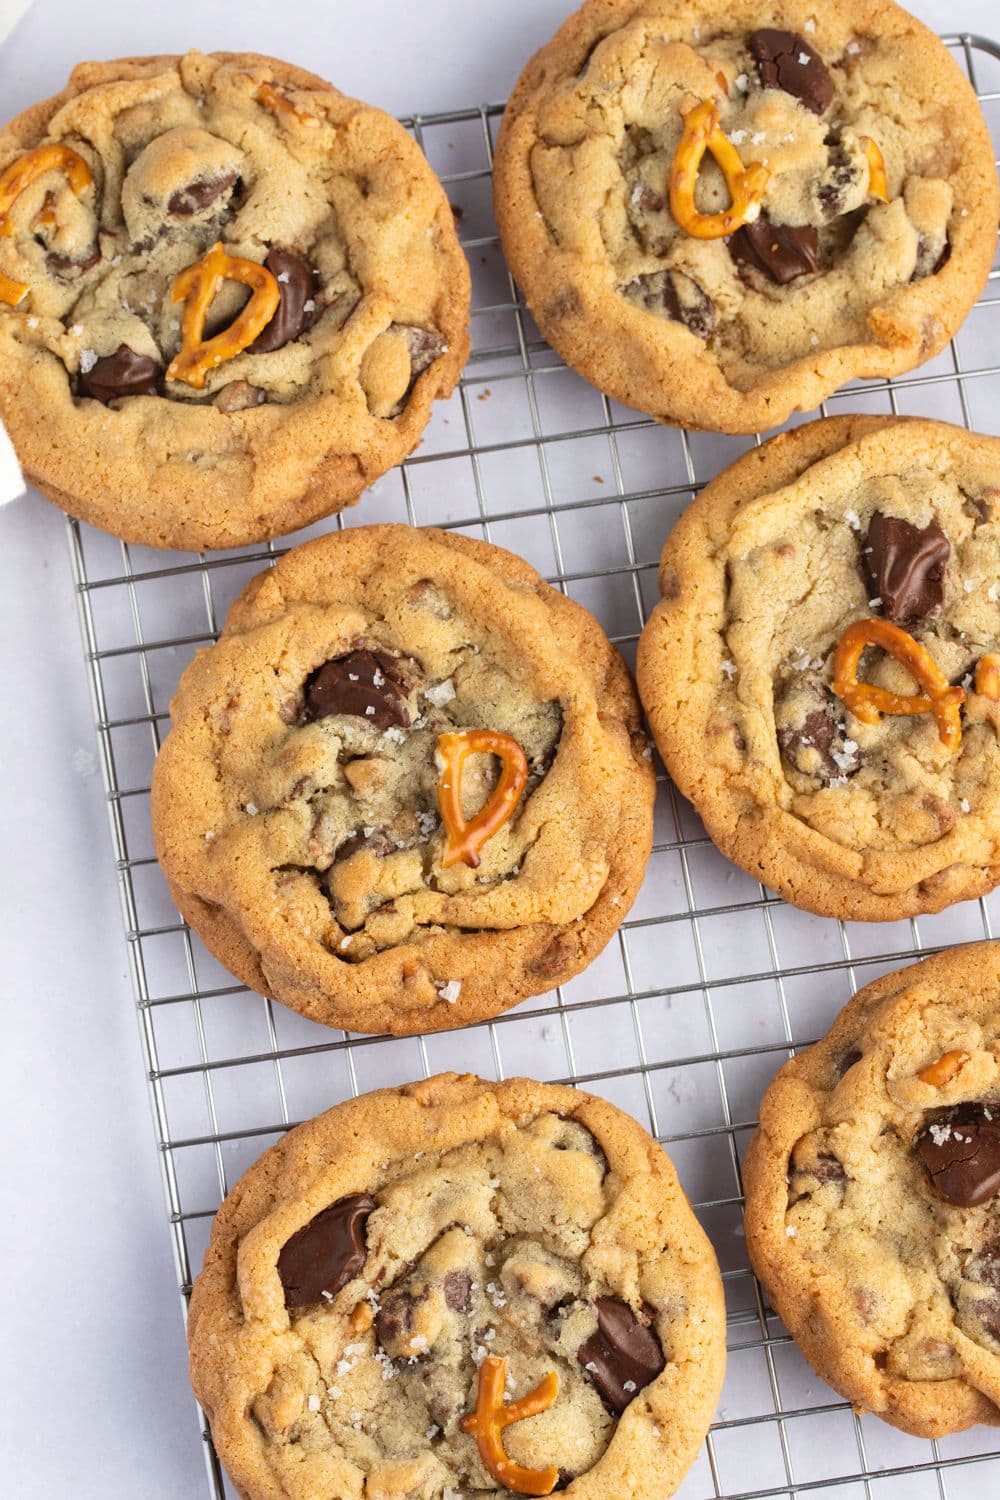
(710, 984)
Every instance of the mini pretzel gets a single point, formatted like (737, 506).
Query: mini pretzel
(867, 702)
(878, 183)
(26, 169)
(988, 675)
(938, 1073)
(465, 840)
(746, 184)
(12, 291)
(196, 287)
(491, 1416)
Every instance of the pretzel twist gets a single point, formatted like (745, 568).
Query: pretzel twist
(464, 840)
(867, 702)
(878, 182)
(196, 287)
(26, 169)
(491, 1416)
(988, 676)
(746, 184)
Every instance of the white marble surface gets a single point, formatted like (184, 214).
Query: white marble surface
(95, 1401)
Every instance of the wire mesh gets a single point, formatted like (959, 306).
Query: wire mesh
(712, 981)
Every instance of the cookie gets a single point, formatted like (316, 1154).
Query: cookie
(456, 1289)
(408, 787)
(821, 674)
(228, 297)
(873, 1216)
(722, 217)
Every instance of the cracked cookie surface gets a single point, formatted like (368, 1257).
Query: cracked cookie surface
(297, 799)
(831, 275)
(872, 1211)
(330, 196)
(891, 527)
(516, 1221)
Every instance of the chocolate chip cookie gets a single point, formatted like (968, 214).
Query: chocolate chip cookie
(822, 673)
(873, 1216)
(228, 296)
(719, 217)
(459, 1289)
(408, 787)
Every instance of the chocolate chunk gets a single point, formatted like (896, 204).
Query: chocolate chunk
(199, 195)
(376, 840)
(671, 294)
(848, 1060)
(906, 565)
(825, 1168)
(123, 373)
(841, 176)
(781, 252)
(326, 1253)
(367, 684)
(425, 346)
(960, 1148)
(809, 726)
(931, 256)
(458, 1290)
(623, 1355)
(296, 286)
(786, 61)
(985, 1271)
(63, 264)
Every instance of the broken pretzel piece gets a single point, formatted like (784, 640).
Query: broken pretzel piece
(34, 164)
(464, 840)
(196, 287)
(746, 184)
(868, 702)
(491, 1416)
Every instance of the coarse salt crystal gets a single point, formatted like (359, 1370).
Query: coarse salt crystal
(742, 82)
(450, 990)
(394, 735)
(810, 25)
(309, 305)
(252, 809)
(874, 603)
(88, 359)
(738, 136)
(853, 519)
(283, 276)
(32, 322)
(854, 48)
(76, 330)
(441, 693)
(314, 1403)
(209, 835)
(629, 1385)
(370, 710)
(993, 592)
(968, 584)
(327, 1296)
(791, 1231)
(965, 805)
(590, 1367)
(729, 668)
(803, 59)
(334, 1392)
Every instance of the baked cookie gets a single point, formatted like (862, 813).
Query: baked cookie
(821, 674)
(872, 1212)
(228, 296)
(459, 1289)
(408, 787)
(719, 217)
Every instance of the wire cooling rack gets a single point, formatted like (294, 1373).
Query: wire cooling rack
(711, 983)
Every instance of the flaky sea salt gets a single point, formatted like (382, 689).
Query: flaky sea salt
(853, 519)
(450, 990)
(252, 809)
(314, 1403)
(742, 82)
(394, 735)
(965, 805)
(441, 693)
(729, 668)
(791, 1231)
(88, 359)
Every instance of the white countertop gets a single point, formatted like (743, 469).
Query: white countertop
(95, 1399)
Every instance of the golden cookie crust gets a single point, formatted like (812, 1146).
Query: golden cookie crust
(456, 1153)
(359, 204)
(581, 191)
(760, 577)
(251, 805)
(866, 1270)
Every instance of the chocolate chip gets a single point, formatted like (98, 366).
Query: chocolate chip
(623, 1355)
(960, 1149)
(984, 1270)
(326, 1253)
(63, 264)
(906, 566)
(671, 294)
(367, 684)
(810, 731)
(458, 1290)
(296, 286)
(123, 373)
(781, 252)
(786, 61)
(197, 196)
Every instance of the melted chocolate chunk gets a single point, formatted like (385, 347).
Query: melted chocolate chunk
(825, 1168)
(394, 1319)
(671, 294)
(906, 566)
(810, 732)
(424, 344)
(63, 264)
(931, 257)
(960, 1149)
(458, 1290)
(197, 196)
(985, 1271)
(786, 61)
(123, 373)
(623, 1355)
(838, 180)
(848, 1060)
(368, 684)
(377, 841)
(297, 287)
(781, 252)
(326, 1253)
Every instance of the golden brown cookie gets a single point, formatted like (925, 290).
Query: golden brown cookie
(421, 1254)
(720, 217)
(408, 787)
(813, 591)
(872, 1212)
(228, 296)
